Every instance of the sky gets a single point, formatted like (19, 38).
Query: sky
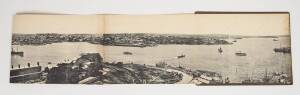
(65, 24)
(231, 24)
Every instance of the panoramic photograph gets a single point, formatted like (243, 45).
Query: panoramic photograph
(197, 48)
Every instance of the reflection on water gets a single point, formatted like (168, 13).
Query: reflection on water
(260, 56)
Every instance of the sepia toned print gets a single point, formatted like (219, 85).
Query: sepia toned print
(201, 48)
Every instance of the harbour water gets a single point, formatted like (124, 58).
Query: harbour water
(260, 56)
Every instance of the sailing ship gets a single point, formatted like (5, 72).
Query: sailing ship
(266, 78)
(16, 52)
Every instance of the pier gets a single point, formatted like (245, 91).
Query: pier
(20, 75)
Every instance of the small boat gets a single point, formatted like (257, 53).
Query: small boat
(234, 41)
(127, 53)
(239, 53)
(181, 56)
(220, 50)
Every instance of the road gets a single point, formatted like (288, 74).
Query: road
(186, 79)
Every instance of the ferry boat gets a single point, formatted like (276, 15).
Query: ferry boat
(127, 53)
(238, 38)
(283, 49)
(239, 53)
(181, 56)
